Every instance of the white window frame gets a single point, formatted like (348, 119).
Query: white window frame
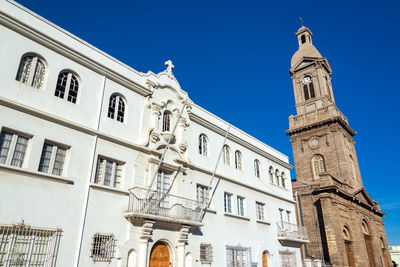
(53, 156)
(238, 160)
(260, 211)
(29, 78)
(227, 202)
(115, 116)
(116, 172)
(237, 256)
(67, 88)
(241, 206)
(257, 168)
(202, 194)
(10, 156)
(166, 121)
(226, 154)
(203, 145)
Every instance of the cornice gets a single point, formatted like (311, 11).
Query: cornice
(232, 180)
(73, 125)
(237, 140)
(310, 126)
(45, 40)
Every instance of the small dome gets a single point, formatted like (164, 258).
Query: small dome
(305, 50)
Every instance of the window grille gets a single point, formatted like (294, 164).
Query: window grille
(67, 81)
(166, 127)
(238, 257)
(163, 186)
(240, 206)
(227, 203)
(116, 103)
(108, 172)
(202, 195)
(238, 160)
(226, 155)
(206, 253)
(203, 145)
(260, 211)
(12, 148)
(23, 245)
(52, 159)
(257, 168)
(31, 71)
(103, 247)
(288, 259)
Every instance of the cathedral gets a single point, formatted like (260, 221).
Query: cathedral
(344, 223)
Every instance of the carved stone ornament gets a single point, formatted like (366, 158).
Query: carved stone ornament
(314, 143)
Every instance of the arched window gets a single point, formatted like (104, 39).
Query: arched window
(203, 145)
(238, 160)
(348, 247)
(308, 88)
(116, 108)
(277, 176)
(166, 127)
(271, 174)
(283, 178)
(303, 39)
(226, 154)
(67, 81)
(318, 165)
(368, 241)
(257, 168)
(31, 71)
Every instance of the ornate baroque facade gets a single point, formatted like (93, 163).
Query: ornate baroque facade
(344, 224)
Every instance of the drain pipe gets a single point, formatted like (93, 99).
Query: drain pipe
(91, 174)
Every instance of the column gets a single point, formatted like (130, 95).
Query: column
(182, 240)
(146, 234)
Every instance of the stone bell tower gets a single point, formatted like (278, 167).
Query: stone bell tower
(328, 188)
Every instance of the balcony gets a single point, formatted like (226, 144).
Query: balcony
(160, 206)
(291, 235)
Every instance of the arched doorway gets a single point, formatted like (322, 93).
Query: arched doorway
(132, 258)
(159, 256)
(265, 259)
(347, 245)
(368, 242)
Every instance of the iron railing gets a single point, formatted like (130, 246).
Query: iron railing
(291, 231)
(143, 202)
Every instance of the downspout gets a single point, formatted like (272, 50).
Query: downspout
(91, 173)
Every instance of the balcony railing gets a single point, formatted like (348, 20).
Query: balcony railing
(291, 234)
(161, 206)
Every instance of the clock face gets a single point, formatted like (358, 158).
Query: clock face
(307, 79)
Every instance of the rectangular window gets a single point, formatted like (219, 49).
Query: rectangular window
(227, 203)
(202, 195)
(22, 245)
(288, 259)
(12, 148)
(240, 206)
(238, 257)
(103, 247)
(260, 211)
(206, 253)
(108, 172)
(52, 159)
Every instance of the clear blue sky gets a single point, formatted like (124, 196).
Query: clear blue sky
(237, 54)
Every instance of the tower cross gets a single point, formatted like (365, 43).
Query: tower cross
(169, 66)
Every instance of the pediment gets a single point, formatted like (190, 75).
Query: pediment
(362, 195)
(307, 61)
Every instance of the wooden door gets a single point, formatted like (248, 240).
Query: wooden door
(370, 253)
(159, 256)
(349, 252)
(264, 259)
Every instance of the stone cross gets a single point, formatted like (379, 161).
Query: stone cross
(170, 66)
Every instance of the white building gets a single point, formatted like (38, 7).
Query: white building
(94, 173)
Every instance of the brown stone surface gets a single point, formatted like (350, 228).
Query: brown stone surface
(331, 199)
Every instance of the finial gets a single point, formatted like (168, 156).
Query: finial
(301, 21)
(169, 66)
